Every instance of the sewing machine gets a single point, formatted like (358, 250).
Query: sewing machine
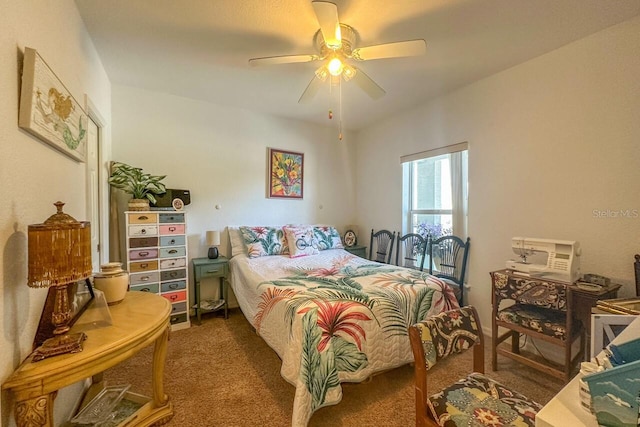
(562, 258)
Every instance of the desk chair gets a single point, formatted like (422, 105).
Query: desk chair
(381, 246)
(448, 260)
(411, 250)
(449, 334)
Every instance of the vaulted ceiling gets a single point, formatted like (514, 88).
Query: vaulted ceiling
(200, 48)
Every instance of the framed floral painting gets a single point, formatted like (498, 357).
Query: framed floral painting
(286, 169)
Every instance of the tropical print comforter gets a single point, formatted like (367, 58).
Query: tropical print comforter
(334, 317)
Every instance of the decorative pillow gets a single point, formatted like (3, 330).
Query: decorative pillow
(236, 240)
(263, 241)
(328, 237)
(301, 241)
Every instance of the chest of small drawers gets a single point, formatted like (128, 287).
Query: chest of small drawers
(157, 259)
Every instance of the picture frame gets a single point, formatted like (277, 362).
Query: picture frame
(605, 327)
(285, 177)
(79, 294)
(349, 238)
(49, 111)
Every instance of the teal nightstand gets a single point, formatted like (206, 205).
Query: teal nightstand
(206, 268)
(357, 250)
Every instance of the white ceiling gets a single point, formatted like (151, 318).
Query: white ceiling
(200, 48)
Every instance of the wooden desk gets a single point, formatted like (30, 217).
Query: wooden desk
(583, 303)
(141, 319)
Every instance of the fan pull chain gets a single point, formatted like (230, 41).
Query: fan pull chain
(340, 112)
(330, 98)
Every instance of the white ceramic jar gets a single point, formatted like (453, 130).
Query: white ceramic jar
(113, 281)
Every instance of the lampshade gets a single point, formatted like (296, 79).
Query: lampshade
(213, 238)
(59, 250)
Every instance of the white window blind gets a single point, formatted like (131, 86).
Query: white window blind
(435, 152)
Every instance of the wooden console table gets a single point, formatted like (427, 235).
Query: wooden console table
(140, 320)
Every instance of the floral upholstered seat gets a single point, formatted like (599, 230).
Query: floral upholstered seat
(545, 321)
(473, 401)
(479, 401)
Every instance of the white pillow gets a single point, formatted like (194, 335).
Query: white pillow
(301, 241)
(237, 242)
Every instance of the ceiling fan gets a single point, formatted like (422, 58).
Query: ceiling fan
(336, 44)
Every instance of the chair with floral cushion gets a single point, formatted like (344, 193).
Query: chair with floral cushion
(474, 400)
(539, 309)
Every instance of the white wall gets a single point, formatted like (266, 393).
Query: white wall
(553, 143)
(220, 155)
(32, 174)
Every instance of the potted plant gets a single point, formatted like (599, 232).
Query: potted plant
(142, 186)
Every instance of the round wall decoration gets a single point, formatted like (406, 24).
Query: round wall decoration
(177, 204)
(350, 238)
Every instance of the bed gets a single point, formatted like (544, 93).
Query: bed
(332, 317)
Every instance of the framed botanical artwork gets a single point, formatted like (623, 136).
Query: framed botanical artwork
(286, 174)
(49, 111)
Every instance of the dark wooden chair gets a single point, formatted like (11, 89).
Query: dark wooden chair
(636, 268)
(381, 246)
(448, 260)
(540, 309)
(449, 334)
(411, 250)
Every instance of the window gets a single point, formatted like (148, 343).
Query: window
(435, 192)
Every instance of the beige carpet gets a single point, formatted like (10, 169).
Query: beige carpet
(222, 374)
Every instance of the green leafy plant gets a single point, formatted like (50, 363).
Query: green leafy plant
(135, 182)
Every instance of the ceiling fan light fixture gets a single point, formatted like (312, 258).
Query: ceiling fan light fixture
(336, 43)
(322, 73)
(335, 66)
(348, 72)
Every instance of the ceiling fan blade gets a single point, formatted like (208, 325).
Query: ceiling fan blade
(391, 50)
(285, 59)
(312, 88)
(327, 14)
(369, 86)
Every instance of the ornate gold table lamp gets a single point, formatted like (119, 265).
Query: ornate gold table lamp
(59, 255)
